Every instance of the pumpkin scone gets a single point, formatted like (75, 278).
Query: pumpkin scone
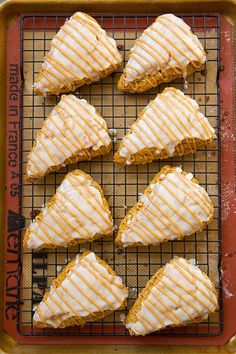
(166, 50)
(174, 205)
(170, 125)
(178, 294)
(81, 52)
(73, 131)
(77, 213)
(87, 290)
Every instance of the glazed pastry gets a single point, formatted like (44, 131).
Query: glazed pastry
(171, 125)
(87, 290)
(174, 205)
(72, 132)
(77, 213)
(165, 51)
(81, 52)
(177, 295)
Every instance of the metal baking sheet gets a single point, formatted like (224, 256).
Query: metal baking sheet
(133, 265)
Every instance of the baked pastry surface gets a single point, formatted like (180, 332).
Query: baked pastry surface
(178, 294)
(72, 132)
(77, 213)
(81, 52)
(86, 290)
(174, 205)
(165, 51)
(170, 125)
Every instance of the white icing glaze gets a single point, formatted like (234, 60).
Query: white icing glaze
(176, 207)
(167, 43)
(77, 213)
(88, 288)
(72, 126)
(182, 294)
(80, 50)
(166, 122)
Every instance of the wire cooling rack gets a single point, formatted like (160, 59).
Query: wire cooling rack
(122, 185)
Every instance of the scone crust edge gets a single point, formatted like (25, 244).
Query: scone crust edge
(53, 200)
(139, 205)
(77, 83)
(76, 321)
(136, 307)
(162, 76)
(103, 150)
(147, 155)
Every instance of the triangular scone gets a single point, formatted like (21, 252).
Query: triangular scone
(177, 295)
(81, 52)
(77, 213)
(174, 205)
(72, 132)
(170, 125)
(86, 290)
(165, 51)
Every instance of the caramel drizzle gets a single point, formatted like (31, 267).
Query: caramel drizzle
(94, 290)
(187, 291)
(74, 143)
(70, 59)
(169, 41)
(73, 297)
(167, 309)
(162, 220)
(105, 276)
(98, 276)
(173, 290)
(201, 193)
(160, 140)
(94, 28)
(84, 293)
(75, 216)
(155, 107)
(186, 207)
(186, 273)
(61, 139)
(152, 235)
(180, 106)
(49, 72)
(171, 298)
(172, 29)
(185, 102)
(201, 205)
(100, 121)
(135, 228)
(187, 32)
(152, 52)
(143, 236)
(63, 68)
(94, 199)
(164, 46)
(35, 164)
(183, 127)
(45, 147)
(76, 229)
(85, 120)
(154, 39)
(173, 209)
(49, 83)
(152, 324)
(152, 221)
(77, 52)
(81, 211)
(95, 58)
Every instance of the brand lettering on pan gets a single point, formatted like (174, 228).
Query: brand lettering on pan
(14, 221)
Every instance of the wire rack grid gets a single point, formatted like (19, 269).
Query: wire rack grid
(122, 185)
